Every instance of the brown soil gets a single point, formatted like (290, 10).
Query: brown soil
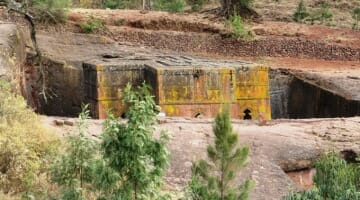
(207, 34)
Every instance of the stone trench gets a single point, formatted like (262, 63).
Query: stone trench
(93, 69)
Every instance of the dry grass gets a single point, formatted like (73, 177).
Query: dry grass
(284, 10)
(25, 145)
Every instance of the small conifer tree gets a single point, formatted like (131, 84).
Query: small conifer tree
(301, 12)
(130, 149)
(212, 180)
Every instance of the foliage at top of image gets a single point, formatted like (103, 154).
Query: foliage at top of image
(174, 6)
(26, 146)
(214, 179)
(50, 11)
(238, 29)
(301, 12)
(356, 16)
(123, 4)
(196, 5)
(335, 179)
(242, 8)
(92, 25)
(161, 5)
(321, 15)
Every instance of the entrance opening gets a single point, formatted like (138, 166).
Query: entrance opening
(197, 115)
(247, 115)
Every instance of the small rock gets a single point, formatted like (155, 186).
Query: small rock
(59, 122)
(69, 123)
(161, 121)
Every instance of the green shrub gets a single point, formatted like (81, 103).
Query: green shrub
(169, 5)
(74, 170)
(214, 180)
(26, 146)
(130, 149)
(301, 12)
(322, 15)
(113, 4)
(196, 5)
(246, 3)
(92, 25)
(50, 11)
(356, 17)
(334, 180)
(238, 28)
(123, 4)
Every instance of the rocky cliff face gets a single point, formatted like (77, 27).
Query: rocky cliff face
(296, 94)
(12, 50)
(279, 92)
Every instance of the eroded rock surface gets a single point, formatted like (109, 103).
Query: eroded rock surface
(280, 146)
(12, 49)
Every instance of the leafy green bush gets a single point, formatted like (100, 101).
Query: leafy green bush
(74, 170)
(169, 5)
(301, 12)
(196, 5)
(238, 28)
(130, 150)
(322, 15)
(92, 25)
(334, 180)
(213, 180)
(246, 3)
(113, 4)
(26, 146)
(50, 11)
(356, 16)
(123, 4)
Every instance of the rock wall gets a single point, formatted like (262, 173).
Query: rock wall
(294, 96)
(307, 100)
(190, 87)
(12, 50)
(63, 87)
(280, 80)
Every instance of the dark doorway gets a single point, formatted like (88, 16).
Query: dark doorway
(247, 115)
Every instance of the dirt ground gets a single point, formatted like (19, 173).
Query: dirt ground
(278, 146)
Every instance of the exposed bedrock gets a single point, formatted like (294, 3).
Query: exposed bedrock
(307, 100)
(12, 49)
(297, 94)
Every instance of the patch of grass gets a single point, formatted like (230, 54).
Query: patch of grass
(174, 6)
(123, 4)
(26, 146)
(92, 25)
(50, 11)
(196, 5)
(301, 12)
(238, 28)
(322, 15)
(356, 16)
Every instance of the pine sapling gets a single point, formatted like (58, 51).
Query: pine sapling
(214, 180)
